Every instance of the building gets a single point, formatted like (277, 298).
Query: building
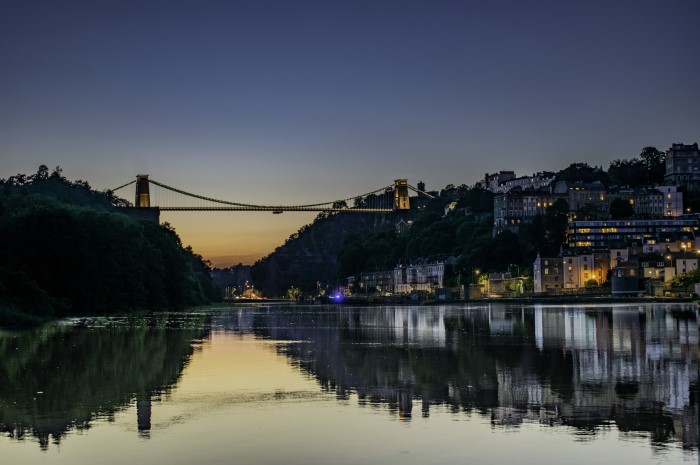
(686, 264)
(421, 275)
(581, 194)
(683, 166)
(547, 274)
(377, 281)
(672, 201)
(534, 182)
(654, 269)
(493, 181)
(625, 279)
(503, 283)
(518, 207)
(402, 226)
(608, 234)
(578, 268)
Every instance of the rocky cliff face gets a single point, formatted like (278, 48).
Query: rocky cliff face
(310, 257)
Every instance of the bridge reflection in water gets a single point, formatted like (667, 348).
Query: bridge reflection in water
(585, 370)
(61, 377)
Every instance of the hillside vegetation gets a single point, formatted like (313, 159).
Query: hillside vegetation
(65, 249)
(339, 246)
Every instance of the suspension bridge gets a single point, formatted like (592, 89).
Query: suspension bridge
(157, 196)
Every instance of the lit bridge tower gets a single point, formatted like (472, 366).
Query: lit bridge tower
(142, 203)
(143, 194)
(401, 200)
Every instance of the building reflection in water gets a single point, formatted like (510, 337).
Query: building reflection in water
(588, 367)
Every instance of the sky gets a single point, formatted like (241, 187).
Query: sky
(288, 102)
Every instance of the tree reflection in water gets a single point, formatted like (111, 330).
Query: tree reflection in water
(591, 369)
(63, 376)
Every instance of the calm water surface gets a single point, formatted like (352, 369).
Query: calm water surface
(318, 385)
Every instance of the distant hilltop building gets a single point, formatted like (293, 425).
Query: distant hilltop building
(519, 206)
(683, 166)
(493, 181)
(504, 181)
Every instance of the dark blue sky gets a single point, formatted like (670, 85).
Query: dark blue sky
(306, 101)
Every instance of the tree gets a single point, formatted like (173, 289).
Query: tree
(293, 293)
(503, 250)
(686, 279)
(42, 173)
(582, 172)
(352, 257)
(632, 173)
(555, 221)
(620, 209)
(645, 170)
(655, 163)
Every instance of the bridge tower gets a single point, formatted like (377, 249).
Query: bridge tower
(143, 196)
(401, 200)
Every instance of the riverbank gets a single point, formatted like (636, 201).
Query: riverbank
(555, 300)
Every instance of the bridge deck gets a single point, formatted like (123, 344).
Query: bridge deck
(275, 209)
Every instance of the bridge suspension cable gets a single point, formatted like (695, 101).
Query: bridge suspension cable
(169, 198)
(123, 185)
(271, 207)
(420, 192)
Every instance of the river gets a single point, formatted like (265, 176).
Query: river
(271, 384)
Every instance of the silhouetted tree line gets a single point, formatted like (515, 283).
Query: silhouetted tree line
(66, 250)
(647, 169)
